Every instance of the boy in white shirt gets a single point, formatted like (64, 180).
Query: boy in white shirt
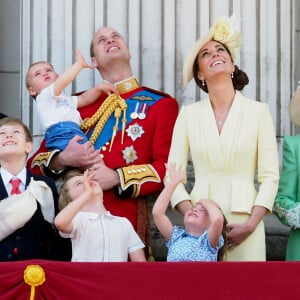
(58, 113)
(96, 235)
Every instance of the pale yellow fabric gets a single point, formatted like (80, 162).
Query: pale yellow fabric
(225, 165)
(253, 248)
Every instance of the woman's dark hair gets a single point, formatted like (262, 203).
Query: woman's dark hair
(239, 80)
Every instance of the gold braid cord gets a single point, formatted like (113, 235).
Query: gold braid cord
(117, 116)
(123, 106)
(113, 103)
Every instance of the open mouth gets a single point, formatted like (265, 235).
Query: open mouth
(217, 62)
(113, 49)
(8, 143)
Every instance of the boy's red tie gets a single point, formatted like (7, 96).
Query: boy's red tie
(15, 182)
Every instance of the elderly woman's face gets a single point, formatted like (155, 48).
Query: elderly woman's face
(214, 58)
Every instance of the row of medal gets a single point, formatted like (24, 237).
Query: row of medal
(134, 131)
(139, 112)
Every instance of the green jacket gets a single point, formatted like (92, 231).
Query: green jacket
(287, 202)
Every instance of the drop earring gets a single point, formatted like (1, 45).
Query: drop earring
(203, 82)
(232, 75)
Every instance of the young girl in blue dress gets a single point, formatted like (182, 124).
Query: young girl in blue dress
(203, 235)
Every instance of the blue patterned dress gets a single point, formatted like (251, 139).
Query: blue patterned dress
(185, 247)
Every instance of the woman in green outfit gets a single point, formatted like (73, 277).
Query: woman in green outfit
(287, 202)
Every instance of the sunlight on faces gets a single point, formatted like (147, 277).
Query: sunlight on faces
(198, 216)
(76, 187)
(214, 58)
(225, 31)
(13, 140)
(40, 76)
(109, 43)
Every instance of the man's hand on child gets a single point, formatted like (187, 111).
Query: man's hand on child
(80, 155)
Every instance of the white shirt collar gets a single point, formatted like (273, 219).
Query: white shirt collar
(94, 215)
(7, 176)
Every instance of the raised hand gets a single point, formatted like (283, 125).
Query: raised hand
(81, 60)
(177, 174)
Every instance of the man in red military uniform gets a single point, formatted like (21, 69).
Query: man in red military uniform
(132, 137)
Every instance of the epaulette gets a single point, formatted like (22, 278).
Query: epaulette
(165, 95)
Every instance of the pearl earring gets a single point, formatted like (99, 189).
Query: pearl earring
(203, 82)
(232, 75)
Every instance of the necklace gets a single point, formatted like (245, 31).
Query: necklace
(219, 123)
(221, 117)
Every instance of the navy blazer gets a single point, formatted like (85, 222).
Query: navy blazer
(37, 239)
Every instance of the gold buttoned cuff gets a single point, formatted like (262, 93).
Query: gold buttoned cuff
(136, 175)
(43, 159)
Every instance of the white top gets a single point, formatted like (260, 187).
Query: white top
(102, 238)
(7, 176)
(53, 109)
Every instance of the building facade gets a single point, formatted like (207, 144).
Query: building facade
(159, 35)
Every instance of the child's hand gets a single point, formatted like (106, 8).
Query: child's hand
(107, 88)
(177, 174)
(81, 60)
(86, 182)
(90, 186)
(208, 202)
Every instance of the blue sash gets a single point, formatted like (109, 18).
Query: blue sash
(140, 97)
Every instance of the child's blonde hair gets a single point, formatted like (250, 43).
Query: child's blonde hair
(15, 121)
(64, 195)
(27, 79)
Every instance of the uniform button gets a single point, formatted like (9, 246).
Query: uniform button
(15, 251)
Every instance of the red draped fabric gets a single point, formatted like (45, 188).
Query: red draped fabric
(156, 280)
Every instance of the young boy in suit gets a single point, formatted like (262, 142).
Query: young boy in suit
(28, 203)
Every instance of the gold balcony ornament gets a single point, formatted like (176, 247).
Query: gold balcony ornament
(34, 275)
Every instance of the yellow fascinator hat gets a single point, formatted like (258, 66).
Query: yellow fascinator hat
(226, 31)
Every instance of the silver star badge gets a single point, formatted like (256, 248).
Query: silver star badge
(129, 154)
(135, 131)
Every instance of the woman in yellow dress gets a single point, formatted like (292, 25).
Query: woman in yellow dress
(230, 140)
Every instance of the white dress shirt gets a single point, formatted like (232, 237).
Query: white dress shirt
(7, 176)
